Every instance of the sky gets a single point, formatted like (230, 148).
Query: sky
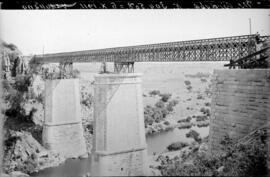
(73, 30)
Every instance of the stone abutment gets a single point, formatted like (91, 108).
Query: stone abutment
(240, 104)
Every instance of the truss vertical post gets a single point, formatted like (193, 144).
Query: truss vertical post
(124, 67)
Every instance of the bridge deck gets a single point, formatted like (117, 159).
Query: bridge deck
(215, 49)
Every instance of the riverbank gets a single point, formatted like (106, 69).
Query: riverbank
(183, 155)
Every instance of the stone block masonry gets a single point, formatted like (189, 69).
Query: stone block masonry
(240, 103)
(62, 130)
(119, 147)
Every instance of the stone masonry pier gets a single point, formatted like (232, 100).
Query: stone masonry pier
(240, 104)
(63, 131)
(119, 147)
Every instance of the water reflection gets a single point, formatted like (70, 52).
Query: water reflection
(71, 168)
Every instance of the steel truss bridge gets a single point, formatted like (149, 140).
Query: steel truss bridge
(214, 49)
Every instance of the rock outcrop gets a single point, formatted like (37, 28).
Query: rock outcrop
(24, 153)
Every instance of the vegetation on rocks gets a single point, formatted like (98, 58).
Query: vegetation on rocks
(236, 158)
(158, 112)
(165, 97)
(155, 116)
(205, 111)
(154, 92)
(23, 109)
(86, 99)
(24, 153)
(195, 135)
(188, 119)
(177, 146)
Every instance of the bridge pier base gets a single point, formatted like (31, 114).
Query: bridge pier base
(63, 131)
(119, 147)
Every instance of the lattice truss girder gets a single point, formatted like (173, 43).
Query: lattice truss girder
(217, 49)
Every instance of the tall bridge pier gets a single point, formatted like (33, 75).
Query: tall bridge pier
(62, 130)
(119, 147)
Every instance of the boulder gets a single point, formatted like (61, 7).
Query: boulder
(18, 174)
(4, 175)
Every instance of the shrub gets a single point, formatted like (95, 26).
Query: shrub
(207, 104)
(203, 125)
(203, 80)
(86, 99)
(171, 104)
(194, 134)
(165, 97)
(201, 118)
(22, 83)
(154, 92)
(159, 111)
(199, 97)
(236, 159)
(189, 88)
(160, 104)
(167, 123)
(186, 126)
(188, 119)
(205, 111)
(177, 146)
(16, 98)
(187, 82)
(90, 128)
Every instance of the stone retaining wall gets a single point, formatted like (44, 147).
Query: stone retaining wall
(240, 103)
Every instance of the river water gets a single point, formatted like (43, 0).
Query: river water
(156, 143)
(166, 77)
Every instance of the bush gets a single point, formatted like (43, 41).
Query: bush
(171, 104)
(188, 119)
(205, 111)
(165, 97)
(187, 83)
(154, 92)
(203, 124)
(22, 83)
(86, 99)
(194, 134)
(207, 104)
(235, 159)
(199, 97)
(203, 80)
(160, 110)
(189, 88)
(167, 123)
(160, 104)
(186, 126)
(201, 118)
(177, 146)
(16, 98)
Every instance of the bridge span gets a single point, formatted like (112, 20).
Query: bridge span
(214, 49)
